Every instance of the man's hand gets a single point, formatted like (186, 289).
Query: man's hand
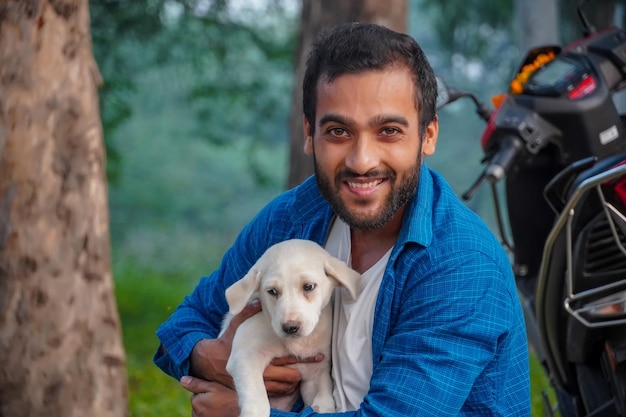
(210, 399)
(280, 380)
(209, 356)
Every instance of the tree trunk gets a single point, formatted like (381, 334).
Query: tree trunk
(61, 352)
(318, 15)
(538, 23)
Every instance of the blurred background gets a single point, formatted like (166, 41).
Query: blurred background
(197, 109)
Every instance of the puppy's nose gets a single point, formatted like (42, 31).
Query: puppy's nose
(291, 327)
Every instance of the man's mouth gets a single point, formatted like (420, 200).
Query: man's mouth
(364, 185)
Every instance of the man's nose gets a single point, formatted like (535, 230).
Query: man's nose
(363, 156)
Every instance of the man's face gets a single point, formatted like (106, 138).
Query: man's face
(366, 147)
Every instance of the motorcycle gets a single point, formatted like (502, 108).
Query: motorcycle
(558, 143)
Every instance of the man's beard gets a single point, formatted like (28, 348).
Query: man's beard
(400, 195)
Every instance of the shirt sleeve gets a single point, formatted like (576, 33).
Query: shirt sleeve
(189, 324)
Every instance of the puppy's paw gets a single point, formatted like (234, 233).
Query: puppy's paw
(324, 405)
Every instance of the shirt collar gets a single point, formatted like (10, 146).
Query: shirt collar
(417, 225)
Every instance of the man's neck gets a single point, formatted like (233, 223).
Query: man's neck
(368, 246)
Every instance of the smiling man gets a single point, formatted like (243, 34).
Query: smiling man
(437, 328)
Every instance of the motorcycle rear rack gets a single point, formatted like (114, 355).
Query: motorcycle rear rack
(590, 307)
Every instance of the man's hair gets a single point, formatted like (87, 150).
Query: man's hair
(354, 48)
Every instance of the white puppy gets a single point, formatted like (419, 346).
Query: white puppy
(294, 281)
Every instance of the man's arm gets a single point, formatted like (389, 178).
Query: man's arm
(187, 326)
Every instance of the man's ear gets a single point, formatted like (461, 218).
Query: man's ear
(308, 137)
(429, 142)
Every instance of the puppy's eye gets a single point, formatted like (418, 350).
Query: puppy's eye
(308, 287)
(272, 292)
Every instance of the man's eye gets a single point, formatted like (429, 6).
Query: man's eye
(308, 287)
(272, 292)
(338, 131)
(390, 131)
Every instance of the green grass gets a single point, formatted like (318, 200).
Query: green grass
(539, 382)
(145, 299)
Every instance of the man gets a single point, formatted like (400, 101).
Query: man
(437, 328)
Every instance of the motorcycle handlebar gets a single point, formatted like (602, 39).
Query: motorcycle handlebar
(499, 165)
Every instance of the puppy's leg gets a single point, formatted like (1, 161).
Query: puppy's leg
(324, 401)
(317, 389)
(247, 368)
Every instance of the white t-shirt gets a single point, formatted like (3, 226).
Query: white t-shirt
(352, 338)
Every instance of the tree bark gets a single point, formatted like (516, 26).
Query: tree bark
(318, 15)
(61, 352)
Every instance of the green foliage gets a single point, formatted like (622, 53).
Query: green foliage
(213, 54)
(115, 110)
(180, 194)
(229, 95)
(118, 28)
(467, 25)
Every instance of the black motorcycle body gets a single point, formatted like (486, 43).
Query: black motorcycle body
(558, 142)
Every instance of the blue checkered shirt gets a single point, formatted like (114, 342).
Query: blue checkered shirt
(448, 337)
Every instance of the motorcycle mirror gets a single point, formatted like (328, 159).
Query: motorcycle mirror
(588, 28)
(446, 94)
(443, 95)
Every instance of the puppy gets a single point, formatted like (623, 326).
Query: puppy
(294, 281)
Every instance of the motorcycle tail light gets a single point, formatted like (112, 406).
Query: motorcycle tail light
(620, 191)
(607, 307)
(618, 188)
(587, 86)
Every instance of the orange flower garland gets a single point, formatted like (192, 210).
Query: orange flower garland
(517, 85)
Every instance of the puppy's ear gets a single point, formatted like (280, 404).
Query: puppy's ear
(346, 276)
(238, 294)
